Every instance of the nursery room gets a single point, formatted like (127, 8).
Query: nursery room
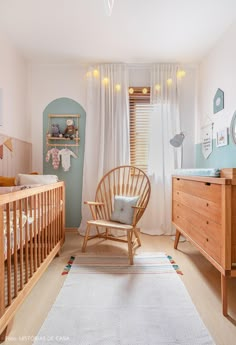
(117, 172)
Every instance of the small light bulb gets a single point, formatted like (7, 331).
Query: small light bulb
(118, 87)
(131, 90)
(181, 73)
(169, 81)
(95, 73)
(105, 81)
(144, 91)
(157, 87)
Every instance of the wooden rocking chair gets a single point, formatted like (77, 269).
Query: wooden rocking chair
(121, 198)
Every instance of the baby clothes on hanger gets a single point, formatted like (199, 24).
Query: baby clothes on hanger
(65, 158)
(55, 157)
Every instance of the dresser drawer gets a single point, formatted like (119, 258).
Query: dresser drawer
(199, 236)
(204, 190)
(203, 224)
(209, 209)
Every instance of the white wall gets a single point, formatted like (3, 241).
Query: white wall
(218, 70)
(47, 83)
(13, 82)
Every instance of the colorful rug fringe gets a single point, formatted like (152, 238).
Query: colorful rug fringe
(68, 266)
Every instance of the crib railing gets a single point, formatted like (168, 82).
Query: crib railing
(32, 223)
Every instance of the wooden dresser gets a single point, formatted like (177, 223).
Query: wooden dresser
(204, 211)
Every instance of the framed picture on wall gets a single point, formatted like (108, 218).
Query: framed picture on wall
(222, 137)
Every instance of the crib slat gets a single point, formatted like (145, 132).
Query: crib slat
(21, 244)
(31, 236)
(46, 222)
(9, 296)
(35, 233)
(43, 227)
(56, 215)
(26, 242)
(15, 251)
(2, 269)
(49, 223)
(38, 228)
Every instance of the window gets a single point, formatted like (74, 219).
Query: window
(140, 111)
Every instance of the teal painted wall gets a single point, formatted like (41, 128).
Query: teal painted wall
(74, 177)
(221, 157)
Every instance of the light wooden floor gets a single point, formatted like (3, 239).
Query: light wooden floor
(201, 279)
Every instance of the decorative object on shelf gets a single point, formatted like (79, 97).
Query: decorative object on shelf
(207, 134)
(233, 128)
(55, 130)
(222, 137)
(218, 101)
(70, 131)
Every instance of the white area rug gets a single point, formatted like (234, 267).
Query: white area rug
(104, 301)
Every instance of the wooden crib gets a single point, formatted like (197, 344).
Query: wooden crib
(32, 223)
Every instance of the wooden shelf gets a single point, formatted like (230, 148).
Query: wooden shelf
(67, 139)
(61, 141)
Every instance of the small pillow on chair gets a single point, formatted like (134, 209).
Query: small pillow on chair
(123, 210)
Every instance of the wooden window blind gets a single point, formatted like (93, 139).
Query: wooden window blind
(140, 111)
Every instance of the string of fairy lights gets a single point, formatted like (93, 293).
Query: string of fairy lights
(105, 81)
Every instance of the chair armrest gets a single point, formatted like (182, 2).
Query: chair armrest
(138, 207)
(94, 203)
(94, 208)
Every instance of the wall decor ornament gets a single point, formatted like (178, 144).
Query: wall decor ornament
(207, 134)
(218, 101)
(222, 137)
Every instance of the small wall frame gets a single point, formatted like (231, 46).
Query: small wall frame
(218, 101)
(222, 137)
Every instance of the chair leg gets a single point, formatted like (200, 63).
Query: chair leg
(86, 238)
(130, 249)
(137, 236)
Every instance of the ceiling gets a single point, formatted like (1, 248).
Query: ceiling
(138, 31)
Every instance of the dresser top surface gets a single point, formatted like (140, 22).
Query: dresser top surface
(215, 180)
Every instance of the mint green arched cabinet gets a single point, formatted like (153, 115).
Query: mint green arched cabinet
(74, 176)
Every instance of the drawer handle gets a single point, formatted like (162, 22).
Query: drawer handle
(178, 179)
(207, 239)
(207, 204)
(207, 183)
(207, 222)
(178, 193)
(177, 216)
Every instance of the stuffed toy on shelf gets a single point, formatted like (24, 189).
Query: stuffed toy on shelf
(55, 130)
(70, 131)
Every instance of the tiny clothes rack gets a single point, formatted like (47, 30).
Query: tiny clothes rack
(57, 125)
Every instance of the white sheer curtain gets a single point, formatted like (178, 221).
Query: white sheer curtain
(163, 158)
(107, 127)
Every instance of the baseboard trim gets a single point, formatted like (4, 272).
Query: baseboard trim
(71, 229)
